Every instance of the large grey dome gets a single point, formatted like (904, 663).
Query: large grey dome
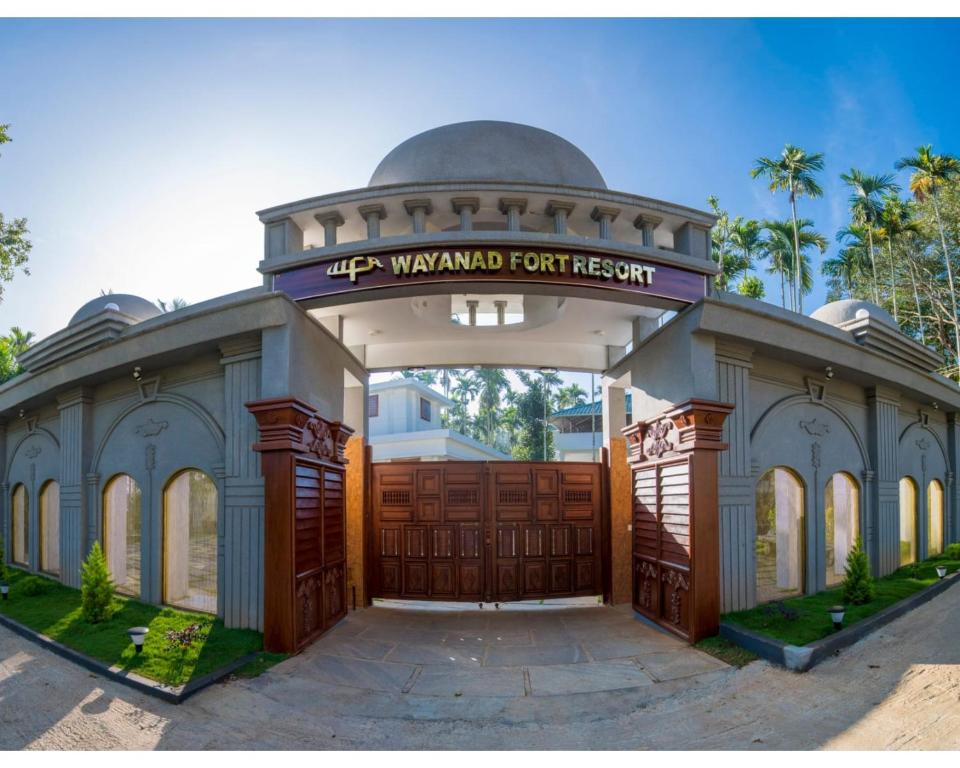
(845, 310)
(488, 150)
(127, 303)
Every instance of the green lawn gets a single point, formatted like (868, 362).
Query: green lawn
(727, 651)
(56, 613)
(813, 621)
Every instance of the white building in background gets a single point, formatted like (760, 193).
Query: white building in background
(578, 431)
(405, 424)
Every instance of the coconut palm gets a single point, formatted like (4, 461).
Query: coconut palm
(930, 173)
(571, 395)
(464, 390)
(720, 242)
(793, 172)
(865, 207)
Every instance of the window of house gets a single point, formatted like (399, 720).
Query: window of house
(425, 409)
(373, 406)
(50, 528)
(934, 518)
(190, 542)
(908, 521)
(121, 532)
(780, 541)
(19, 523)
(842, 517)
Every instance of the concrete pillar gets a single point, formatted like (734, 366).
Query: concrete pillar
(465, 207)
(646, 224)
(501, 306)
(76, 448)
(281, 237)
(604, 217)
(560, 210)
(881, 529)
(693, 239)
(240, 532)
(418, 210)
(952, 532)
(613, 398)
(373, 215)
(472, 305)
(330, 221)
(513, 208)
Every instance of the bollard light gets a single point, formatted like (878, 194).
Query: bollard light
(138, 635)
(941, 571)
(836, 615)
(4, 590)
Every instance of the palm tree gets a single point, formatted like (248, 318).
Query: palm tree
(779, 250)
(720, 241)
(781, 253)
(896, 220)
(844, 268)
(865, 208)
(571, 395)
(19, 340)
(745, 235)
(490, 383)
(464, 390)
(930, 173)
(175, 304)
(793, 172)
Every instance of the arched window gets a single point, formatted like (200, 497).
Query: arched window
(50, 527)
(121, 532)
(908, 521)
(842, 517)
(934, 518)
(190, 542)
(779, 544)
(20, 525)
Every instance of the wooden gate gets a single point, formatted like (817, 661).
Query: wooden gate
(486, 531)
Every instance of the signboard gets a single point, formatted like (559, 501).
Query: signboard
(530, 265)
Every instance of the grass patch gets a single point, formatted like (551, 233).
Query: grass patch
(812, 620)
(55, 612)
(726, 651)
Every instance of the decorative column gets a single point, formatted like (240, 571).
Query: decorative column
(646, 224)
(604, 217)
(373, 215)
(330, 221)
(881, 533)
(952, 532)
(304, 549)
(560, 210)
(242, 534)
(676, 532)
(418, 210)
(472, 306)
(76, 424)
(513, 208)
(501, 307)
(466, 207)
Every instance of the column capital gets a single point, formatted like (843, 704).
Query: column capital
(646, 220)
(424, 204)
(557, 206)
(74, 397)
(692, 425)
(506, 203)
(373, 209)
(461, 203)
(601, 212)
(330, 217)
(240, 349)
(290, 424)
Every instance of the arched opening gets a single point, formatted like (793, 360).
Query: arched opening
(934, 518)
(908, 521)
(190, 541)
(121, 532)
(780, 540)
(842, 523)
(20, 525)
(50, 527)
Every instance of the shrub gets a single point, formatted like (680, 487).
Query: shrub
(858, 587)
(953, 551)
(96, 591)
(35, 585)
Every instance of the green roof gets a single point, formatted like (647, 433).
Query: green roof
(586, 409)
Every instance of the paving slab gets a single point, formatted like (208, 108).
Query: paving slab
(359, 673)
(437, 654)
(519, 655)
(486, 682)
(561, 679)
(675, 665)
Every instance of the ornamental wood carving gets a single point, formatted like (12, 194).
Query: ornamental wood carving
(676, 543)
(305, 522)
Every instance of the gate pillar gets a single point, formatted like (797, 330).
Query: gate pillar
(304, 581)
(676, 530)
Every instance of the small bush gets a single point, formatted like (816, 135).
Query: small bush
(953, 551)
(858, 586)
(35, 585)
(96, 591)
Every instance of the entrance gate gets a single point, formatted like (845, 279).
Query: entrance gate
(486, 531)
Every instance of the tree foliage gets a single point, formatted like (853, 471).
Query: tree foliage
(11, 346)
(858, 586)
(14, 244)
(96, 587)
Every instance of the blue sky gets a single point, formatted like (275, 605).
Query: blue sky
(142, 148)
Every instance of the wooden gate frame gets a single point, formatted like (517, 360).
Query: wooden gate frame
(683, 597)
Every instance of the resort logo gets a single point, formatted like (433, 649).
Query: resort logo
(352, 267)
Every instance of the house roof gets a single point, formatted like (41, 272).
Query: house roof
(586, 409)
(415, 384)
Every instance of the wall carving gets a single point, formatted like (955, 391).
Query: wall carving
(815, 427)
(151, 427)
(33, 451)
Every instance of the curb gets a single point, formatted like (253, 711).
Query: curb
(171, 694)
(806, 657)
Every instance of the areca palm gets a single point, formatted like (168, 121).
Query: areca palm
(896, 220)
(745, 236)
(845, 268)
(865, 207)
(930, 173)
(464, 390)
(793, 172)
(490, 384)
(781, 253)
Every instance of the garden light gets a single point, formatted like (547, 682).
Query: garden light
(836, 615)
(138, 635)
(941, 571)
(4, 590)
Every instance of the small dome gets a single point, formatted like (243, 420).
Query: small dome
(846, 310)
(488, 150)
(125, 303)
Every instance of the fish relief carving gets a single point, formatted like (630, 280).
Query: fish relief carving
(815, 428)
(33, 451)
(151, 428)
